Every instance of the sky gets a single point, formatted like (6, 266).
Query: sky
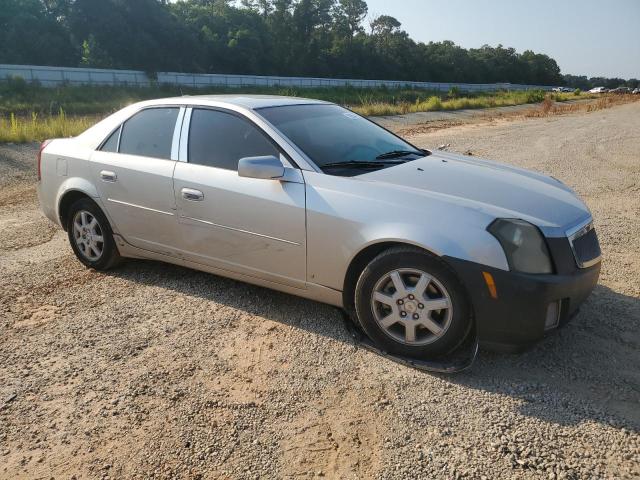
(585, 37)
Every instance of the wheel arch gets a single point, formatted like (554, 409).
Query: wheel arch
(362, 258)
(67, 199)
(72, 189)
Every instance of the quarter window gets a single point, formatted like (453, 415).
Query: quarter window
(111, 145)
(149, 133)
(219, 139)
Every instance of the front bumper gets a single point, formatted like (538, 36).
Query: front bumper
(516, 318)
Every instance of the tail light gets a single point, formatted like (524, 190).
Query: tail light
(42, 147)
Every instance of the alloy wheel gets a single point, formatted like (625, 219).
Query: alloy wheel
(411, 306)
(88, 235)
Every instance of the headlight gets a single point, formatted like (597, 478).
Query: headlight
(523, 244)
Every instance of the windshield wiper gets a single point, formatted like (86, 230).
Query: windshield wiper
(362, 164)
(399, 153)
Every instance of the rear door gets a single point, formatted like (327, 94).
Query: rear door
(134, 174)
(250, 226)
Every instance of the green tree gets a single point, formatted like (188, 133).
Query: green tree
(93, 55)
(384, 25)
(31, 34)
(349, 15)
(267, 37)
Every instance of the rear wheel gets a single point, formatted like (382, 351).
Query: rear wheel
(411, 303)
(90, 235)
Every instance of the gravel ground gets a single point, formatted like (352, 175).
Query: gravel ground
(153, 370)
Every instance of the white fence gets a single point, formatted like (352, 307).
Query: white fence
(53, 76)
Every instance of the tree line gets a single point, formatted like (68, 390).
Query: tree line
(320, 38)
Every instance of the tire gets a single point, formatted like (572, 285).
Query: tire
(426, 283)
(90, 236)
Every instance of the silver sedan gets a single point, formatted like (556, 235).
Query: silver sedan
(422, 247)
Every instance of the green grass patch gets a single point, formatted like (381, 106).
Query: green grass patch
(434, 103)
(31, 112)
(15, 129)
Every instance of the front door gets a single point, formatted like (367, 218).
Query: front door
(134, 175)
(250, 226)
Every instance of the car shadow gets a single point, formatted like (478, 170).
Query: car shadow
(589, 370)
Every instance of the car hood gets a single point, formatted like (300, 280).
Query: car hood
(495, 189)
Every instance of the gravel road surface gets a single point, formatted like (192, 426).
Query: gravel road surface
(158, 371)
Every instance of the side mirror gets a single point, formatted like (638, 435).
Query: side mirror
(268, 167)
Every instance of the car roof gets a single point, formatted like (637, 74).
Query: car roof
(252, 102)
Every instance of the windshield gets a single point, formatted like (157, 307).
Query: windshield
(331, 135)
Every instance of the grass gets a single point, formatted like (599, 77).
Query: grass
(16, 129)
(22, 98)
(435, 103)
(31, 112)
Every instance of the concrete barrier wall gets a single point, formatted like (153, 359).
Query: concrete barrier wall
(53, 76)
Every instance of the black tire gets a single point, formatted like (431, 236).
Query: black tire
(458, 323)
(109, 257)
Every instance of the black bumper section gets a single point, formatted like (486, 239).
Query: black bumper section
(516, 318)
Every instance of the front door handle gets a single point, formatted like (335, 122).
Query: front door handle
(108, 176)
(192, 194)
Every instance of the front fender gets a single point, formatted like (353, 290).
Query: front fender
(344, 217)
(472, 244)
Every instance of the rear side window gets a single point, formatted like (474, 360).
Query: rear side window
(111, 145)
(149, 133)
(219, 139)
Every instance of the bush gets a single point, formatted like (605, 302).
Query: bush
(577, 92)
(535, 96)
(16, 84)
(454, 92)
(433, 104)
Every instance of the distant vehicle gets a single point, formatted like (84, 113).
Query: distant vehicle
(636, 91)
(562, 90)
(621, 90)
(309, 198)
(598, 90)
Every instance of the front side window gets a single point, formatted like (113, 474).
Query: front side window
(149, 133)
(219, 139)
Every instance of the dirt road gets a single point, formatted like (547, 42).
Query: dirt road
(158, 371)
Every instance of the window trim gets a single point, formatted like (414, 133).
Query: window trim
(177, 130)
(186, 133)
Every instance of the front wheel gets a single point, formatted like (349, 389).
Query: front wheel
(90, 235)
(410, 303)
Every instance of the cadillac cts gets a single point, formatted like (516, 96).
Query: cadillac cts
(306, 197)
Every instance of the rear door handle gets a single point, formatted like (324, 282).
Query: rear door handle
(108, 176)
(192, 194)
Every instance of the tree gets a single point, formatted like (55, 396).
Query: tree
(140, 34)
(384, 25)
(349, 15)
(266, 37)
(31, 34)
(263, 7)
(93, 55)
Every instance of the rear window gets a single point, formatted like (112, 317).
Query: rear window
(149, 133)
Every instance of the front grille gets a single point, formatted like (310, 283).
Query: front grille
(585, 246)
